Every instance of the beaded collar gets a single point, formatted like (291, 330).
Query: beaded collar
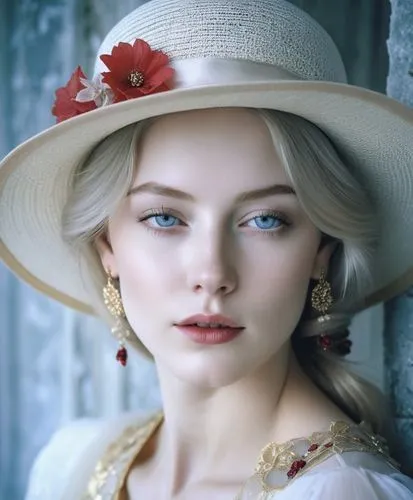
(278, 464)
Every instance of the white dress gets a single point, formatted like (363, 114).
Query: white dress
(89, 459)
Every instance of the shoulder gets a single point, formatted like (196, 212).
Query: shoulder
(59, 457)
(62, 468)
(355, 475)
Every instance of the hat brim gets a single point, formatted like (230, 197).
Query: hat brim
(372, 131)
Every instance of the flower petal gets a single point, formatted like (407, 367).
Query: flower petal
(85, 82)
(107, 97)
(155, 89)
(86, 95)
(62, 108)
(74, 84)
(65, 105)
(116, 86)
(131, 93)
(142, 55)
(158, 60)
(162, 75)
(120, 61)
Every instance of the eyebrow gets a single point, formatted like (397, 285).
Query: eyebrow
(160, 189)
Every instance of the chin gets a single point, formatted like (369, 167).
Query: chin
(211, 370)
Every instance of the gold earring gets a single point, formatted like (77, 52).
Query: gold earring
(322, 297)
(113, 301)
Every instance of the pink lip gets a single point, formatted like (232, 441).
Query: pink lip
(213, 318)
(209, 335)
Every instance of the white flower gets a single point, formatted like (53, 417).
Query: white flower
(95, 90)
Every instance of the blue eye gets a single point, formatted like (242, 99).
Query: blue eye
(164, 220)
(268, 221)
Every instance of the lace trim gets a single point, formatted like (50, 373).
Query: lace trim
(110, 472)
(278, 464)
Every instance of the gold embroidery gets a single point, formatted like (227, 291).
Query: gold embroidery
(110, 472)
(278, 464)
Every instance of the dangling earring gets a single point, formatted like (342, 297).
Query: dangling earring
(322, 297)
(113, 302)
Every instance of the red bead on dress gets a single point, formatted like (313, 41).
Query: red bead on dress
(295, 467)
(122, 356)
(313, 447)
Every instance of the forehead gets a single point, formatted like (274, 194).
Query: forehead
(215, 142)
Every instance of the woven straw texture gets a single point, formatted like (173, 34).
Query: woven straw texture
(268, 31)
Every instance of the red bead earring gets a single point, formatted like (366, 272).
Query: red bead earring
(122, 355)
(113, 302)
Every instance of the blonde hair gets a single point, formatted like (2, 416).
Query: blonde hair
(329, 191)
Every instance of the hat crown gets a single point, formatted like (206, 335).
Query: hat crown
(273, 32)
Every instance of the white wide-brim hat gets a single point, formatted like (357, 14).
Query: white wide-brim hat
(226, 53)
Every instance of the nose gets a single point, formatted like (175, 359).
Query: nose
(212, 269)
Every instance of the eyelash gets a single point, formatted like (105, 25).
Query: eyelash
(267, 232)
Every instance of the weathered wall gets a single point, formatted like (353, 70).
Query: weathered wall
(398, 313)
(360, 29)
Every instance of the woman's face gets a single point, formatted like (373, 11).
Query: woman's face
(212, 226)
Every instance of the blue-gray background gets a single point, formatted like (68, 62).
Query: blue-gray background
(41, 42)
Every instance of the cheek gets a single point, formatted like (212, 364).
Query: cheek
(278, 282)
(145, 282)
(143, 260)
(142, 276)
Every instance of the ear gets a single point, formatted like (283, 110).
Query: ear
(104, 249)
(323, 257)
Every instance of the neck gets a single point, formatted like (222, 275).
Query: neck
(208, 430)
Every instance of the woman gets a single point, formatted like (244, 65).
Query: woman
(221, 195)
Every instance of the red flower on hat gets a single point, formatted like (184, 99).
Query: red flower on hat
(65, 105)
(136, 70)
